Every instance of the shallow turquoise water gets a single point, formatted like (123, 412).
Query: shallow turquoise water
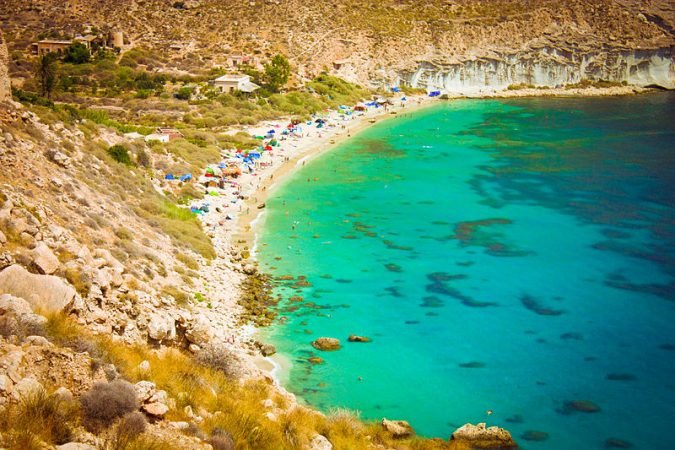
(502, 255)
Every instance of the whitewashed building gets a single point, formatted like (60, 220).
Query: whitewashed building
(235, 82)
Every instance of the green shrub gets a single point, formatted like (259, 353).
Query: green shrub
(184, 93)
(120, 154)
(77, 53)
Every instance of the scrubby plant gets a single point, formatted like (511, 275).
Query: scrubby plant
(221, 441)
(188, 260)
(106, 402)
(39, 417)
(79, 279)
(220, 359)
(120, 154)
(127, 431)
(181, 297)
(143, 158)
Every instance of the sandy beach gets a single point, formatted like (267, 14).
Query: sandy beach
(233, 216)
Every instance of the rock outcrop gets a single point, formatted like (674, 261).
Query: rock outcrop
(5, 89)
(46, 292)
(399, 429)
(326, 344)
(545, 67)
(482, 437)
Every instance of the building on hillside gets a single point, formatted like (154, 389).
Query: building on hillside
(46, 46)
(171, 132)
(237, 59)
(235, 82)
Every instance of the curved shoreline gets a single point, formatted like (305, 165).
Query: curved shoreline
(244, 232)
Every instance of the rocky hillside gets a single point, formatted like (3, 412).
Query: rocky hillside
(376, 40)
(5, 93)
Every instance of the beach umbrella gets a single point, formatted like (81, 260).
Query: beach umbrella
(186, 177)
(268, 148)
(271, 132)
(169, 176)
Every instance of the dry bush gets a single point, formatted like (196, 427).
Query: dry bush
(220, 359)
(80, 280)
(127, 431)
(189, 261)
(40, 417)
(105, 402)
(221, 442)
(181, 297)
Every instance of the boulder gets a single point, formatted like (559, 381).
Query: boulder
(75, 446)
(267, 349)
(326, 344)
(145, 390)
(161, 327)
(16, 312)
(64, 394)
(155, 409)
(399, 429)
(26, 387)
(356, 338)
(46, 292)
(482, 437)
(14, 305)
(320, 442)
(199, 331)
(57, 157)
(144, 366)
(44, 259)
(37, 341)
(5, 384)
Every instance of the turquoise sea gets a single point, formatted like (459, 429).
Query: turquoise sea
(516, 256)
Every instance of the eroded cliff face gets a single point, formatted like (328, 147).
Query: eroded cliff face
(5, 90)
(545, 67)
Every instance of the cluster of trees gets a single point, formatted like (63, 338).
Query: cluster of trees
(104, 73)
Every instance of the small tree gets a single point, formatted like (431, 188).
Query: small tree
(120, 154)
(46, 72)
(277, 73)
(77, 53)
(184, 93)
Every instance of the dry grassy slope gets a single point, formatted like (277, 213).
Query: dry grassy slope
(375, 33)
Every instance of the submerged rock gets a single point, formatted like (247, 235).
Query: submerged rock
(356, 338)
(399, 429)
(481, 437)
(534, 435)
(326, 344)
(316, 360)
(472, 365)
(617, 443)
(585, 406)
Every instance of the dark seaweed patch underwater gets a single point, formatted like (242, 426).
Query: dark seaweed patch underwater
(523, 263)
